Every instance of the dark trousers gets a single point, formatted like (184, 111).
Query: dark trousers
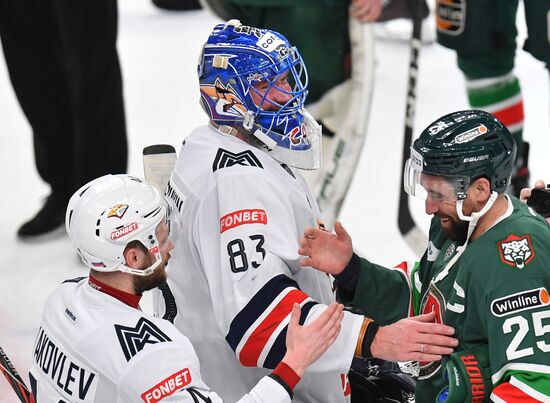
(63, 65)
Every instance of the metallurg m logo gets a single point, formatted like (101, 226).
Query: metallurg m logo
(226, 159)
(133, 339)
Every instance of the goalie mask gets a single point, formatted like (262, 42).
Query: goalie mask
(109, 212)
(240, 70)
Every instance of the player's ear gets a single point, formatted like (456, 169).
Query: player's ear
(135, 255)
(482, 190)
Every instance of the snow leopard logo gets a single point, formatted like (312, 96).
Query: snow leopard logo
(516, 250)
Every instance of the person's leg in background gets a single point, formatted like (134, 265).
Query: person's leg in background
(89, 33)
(32, 49)
(62, 60)
(483, 34)
(537, 16)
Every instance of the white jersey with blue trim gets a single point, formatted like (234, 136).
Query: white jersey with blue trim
(93, 348)
(234, 272)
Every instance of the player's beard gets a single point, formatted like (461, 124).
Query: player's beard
(457, 231)
(153, 280)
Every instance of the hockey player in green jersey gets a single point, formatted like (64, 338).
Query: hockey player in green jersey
(486, 270)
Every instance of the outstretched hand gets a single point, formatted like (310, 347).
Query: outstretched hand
(305, 344)
(414, 339)
(326, 251)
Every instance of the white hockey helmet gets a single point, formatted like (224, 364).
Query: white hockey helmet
(109, 212)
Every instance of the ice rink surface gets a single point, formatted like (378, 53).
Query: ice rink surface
(158, 52)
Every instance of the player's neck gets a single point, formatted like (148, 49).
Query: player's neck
(116, 285)
(490, 217)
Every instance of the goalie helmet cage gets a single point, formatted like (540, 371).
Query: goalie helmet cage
(413, 236)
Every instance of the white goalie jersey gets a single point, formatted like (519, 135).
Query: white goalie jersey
(234, 273)
(93, 348)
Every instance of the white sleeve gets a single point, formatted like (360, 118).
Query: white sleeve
(170, 372)
(253, 289)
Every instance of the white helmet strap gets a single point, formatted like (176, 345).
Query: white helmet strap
(141, 272)
(473, 219)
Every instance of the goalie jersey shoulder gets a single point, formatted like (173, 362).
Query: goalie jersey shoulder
(221, 152)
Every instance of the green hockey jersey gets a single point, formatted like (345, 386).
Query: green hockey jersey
(495, 294)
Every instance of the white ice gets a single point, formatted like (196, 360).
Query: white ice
(158, 52)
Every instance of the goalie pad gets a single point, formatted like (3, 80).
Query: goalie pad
(345, 109)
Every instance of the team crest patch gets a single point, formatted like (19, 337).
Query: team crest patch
(225, 159)
(449, 252)
(133, 339)
(432, 301)
(516, 250)
(117, 211)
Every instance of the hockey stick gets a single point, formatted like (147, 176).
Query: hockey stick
(13, 378)
(414, 237)
(331, 183)
(158, 163)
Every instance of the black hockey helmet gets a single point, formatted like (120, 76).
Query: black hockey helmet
(462, 146)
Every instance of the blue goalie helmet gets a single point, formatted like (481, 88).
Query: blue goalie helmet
(253, 80)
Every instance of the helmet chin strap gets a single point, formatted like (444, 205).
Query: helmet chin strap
(142, 272)
(473, 219)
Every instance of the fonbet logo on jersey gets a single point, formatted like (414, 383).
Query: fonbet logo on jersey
(520, 301)
(167, 386)
(241, 217)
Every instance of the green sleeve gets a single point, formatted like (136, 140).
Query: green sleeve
(382, 294)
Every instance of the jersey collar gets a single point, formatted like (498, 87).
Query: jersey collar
(129, 299)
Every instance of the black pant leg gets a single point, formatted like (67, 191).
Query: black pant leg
(89, 33)
(32, 49)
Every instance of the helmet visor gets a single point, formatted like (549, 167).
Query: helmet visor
(427, 186)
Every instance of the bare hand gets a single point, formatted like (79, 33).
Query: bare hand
(365, 10)
(325, 251)
(414, 339)
(305, 344)
(526, 192)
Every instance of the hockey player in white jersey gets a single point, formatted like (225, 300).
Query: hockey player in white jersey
(239, 212)
(96, 345)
